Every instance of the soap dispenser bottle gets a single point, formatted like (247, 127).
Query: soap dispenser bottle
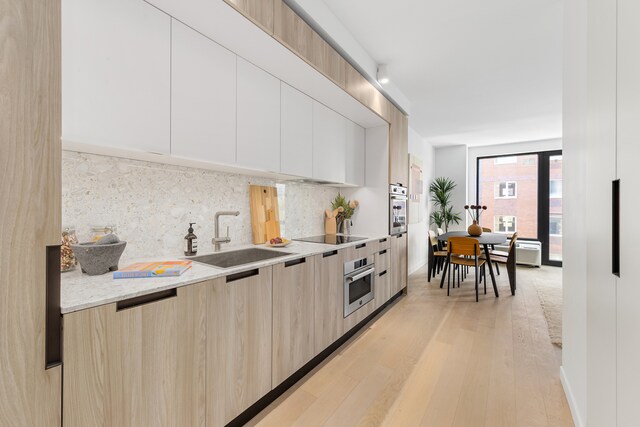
(191, 247)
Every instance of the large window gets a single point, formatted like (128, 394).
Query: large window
(508, 186)
(523, 193)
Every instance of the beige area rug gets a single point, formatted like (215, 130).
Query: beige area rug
(549, 288)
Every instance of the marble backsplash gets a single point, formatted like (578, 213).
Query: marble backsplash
(151, 204)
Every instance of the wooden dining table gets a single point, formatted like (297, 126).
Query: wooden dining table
(485, 239)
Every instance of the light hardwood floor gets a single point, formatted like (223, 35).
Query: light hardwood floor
(434, 360)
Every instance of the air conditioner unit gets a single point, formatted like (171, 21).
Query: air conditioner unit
(528, 252)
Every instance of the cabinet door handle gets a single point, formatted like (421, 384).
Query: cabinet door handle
(243, 275)
(383, 273)
(295, 262)
(382, 252)
(382, 240)
(146, 299)
(361, 246)
(615, 228)
(330, 253)
(53, 316)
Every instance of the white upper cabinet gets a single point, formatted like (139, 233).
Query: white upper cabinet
(329, 140)
(258, 126)
(116, 74)
(296, 117)
(355, 155)
(203, 98)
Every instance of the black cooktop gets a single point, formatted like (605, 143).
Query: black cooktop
(331, 239)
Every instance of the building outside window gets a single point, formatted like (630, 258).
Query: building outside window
(555, 188)
(505, 160)
(505, 190)
(504, 223)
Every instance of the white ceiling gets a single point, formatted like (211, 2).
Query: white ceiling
(475, 72)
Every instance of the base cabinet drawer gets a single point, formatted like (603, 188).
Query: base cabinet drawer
(382, 260)
(143, 364)
(239, 309)
(293, 317)
(360, 250)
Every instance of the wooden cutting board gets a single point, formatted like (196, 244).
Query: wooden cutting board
(264, 209)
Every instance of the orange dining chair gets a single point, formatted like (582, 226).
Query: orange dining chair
(465, 252)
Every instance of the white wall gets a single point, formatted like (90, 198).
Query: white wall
(372, 217)
(451, 162)
(500, 149)
(574, 271)
(418, 231)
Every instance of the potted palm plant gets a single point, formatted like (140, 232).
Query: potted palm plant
(441, 190)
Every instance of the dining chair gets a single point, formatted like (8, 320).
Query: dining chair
(509, 259)
(493, 247)
(441, 245)
(436, 256)
(465, 252)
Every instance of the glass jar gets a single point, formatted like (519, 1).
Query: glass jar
(68, 260)
(102, 230)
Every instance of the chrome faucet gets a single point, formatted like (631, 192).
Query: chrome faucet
(217, 240)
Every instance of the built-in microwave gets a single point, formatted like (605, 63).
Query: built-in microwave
(358, 284)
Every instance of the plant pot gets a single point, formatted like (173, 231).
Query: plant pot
(98, 259)
(346, 227)
(474, 229)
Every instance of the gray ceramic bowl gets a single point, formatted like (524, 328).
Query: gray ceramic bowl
(98, 259)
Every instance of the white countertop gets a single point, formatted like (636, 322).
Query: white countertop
(80, 291)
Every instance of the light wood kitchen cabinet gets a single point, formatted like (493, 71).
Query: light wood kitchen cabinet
(203, 97)
(398, 263)
(292, 31)
(399, 148)
(239, 310)
(296, 148)
(329, 141)
(116, 74)
(259, 12)
(360, 250)
(355, 154)
(362, 90)
(258, 118)
(329, 298)
(293, 317)
(382, 286)
(138, 365)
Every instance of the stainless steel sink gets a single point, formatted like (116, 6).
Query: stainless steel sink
(240, 257)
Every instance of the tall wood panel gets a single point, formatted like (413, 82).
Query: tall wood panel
(143, 365)
(258, 11)
(30, 128)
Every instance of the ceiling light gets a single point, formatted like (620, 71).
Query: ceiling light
(383, 75)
